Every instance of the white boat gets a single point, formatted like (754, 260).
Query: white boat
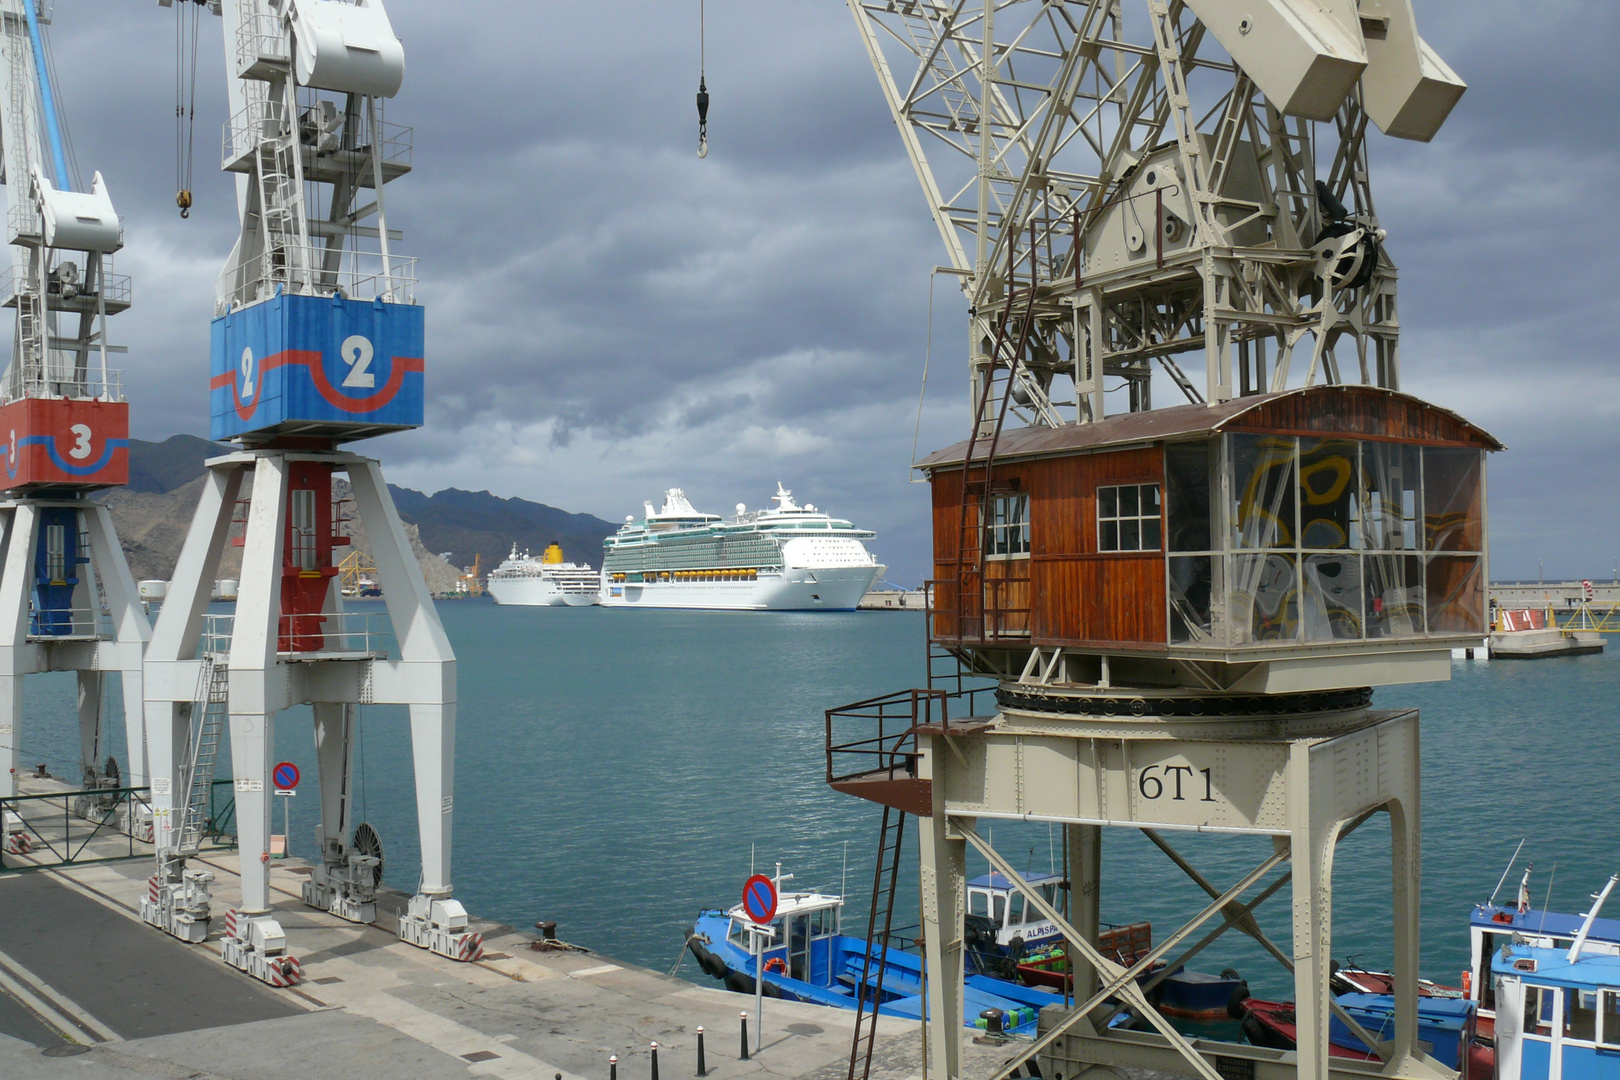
(785, 558)
(548, 581)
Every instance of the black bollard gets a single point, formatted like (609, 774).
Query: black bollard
(703, 1070)
(613, 1067)
(654, 1061)
(745, 1036)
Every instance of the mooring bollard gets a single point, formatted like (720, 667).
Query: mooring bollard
(654, 1061)
(703, 1070)
(613, 1067)
(745, 1036)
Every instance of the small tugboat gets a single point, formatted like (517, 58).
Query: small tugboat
(1558, 1010)
(1124, 945)
(1446, 1023)
(1186, 995)
(812, 960)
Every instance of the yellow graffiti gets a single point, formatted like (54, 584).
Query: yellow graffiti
(1342, 471)
(1275, 454)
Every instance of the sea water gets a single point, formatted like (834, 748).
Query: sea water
(618, 770)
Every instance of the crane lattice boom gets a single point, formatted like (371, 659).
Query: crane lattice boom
(1144, 179)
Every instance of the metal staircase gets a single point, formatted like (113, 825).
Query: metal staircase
(869, 992)
(213, 695)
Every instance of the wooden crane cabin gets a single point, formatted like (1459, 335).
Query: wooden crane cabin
(1330, 536)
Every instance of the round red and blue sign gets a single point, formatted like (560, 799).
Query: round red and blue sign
(285, 776)
(759, 899)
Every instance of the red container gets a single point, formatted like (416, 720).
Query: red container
(56, 442)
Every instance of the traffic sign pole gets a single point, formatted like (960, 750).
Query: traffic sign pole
(759, 903)
(759, 988)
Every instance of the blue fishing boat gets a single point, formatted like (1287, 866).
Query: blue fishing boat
(1558, 1009)
(1492, 925)
(810, 959)
(1014, 927)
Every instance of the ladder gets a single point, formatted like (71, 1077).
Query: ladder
(870, 991)
(1000, 379)
(213, 696)
(278, 163)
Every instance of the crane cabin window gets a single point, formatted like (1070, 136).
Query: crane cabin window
(1007, 529)
(1128, 518)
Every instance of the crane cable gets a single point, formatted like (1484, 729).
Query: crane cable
(703, 87)
(185, 100)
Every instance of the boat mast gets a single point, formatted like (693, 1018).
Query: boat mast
(1591, 917)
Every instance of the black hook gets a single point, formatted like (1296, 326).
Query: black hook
(703, 117)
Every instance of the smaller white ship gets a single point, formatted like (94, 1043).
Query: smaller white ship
(548, 581)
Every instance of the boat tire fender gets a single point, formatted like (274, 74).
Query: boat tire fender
(1235, 1000)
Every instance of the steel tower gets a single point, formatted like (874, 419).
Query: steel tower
(65, 587)
(317, 341)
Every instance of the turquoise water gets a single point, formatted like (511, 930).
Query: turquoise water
(618, 770)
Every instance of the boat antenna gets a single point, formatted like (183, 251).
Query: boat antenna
(703, 86)
(1505, 872)
(1545, 904)
(1591, 917)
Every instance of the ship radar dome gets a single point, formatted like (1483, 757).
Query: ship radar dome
(741, 509)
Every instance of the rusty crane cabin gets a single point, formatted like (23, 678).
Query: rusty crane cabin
(1316, 537)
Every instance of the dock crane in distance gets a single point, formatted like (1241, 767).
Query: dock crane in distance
(66, 593)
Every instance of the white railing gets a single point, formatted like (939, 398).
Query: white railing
(259, 37)
(25, 222)
(67, 622)
(115, 288)
(343, 633)
(359, 275)
(265, 119)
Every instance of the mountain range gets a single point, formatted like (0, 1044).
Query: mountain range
(154, 510)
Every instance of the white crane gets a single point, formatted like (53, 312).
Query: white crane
(64, 430)
(317, 341)
(1122, 185)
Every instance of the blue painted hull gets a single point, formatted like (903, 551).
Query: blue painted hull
(837, 965)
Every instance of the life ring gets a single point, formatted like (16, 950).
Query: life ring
(776, 965)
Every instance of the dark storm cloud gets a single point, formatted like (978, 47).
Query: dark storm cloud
(608, 316)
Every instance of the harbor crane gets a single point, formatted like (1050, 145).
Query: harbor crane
(68, 599)
(317, 341)
(1148, 182)
(1168, 615)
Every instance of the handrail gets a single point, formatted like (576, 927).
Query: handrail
(894, 747)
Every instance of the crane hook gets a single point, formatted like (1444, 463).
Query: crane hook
(182, 199)
(703, 118)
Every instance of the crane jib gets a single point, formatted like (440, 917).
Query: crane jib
(47, 100)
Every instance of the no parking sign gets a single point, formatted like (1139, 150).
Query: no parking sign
(285, 776)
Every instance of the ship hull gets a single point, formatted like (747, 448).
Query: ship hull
(820, 589)
(536, 592)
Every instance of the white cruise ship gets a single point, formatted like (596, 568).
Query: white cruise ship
(544, 582)
(786, 558)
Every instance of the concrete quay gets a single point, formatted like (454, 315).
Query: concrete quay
(89, 991)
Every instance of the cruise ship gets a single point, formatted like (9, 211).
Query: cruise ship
(548, 581)
(785, 558)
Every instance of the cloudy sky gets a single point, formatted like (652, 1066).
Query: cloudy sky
(609, 316)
